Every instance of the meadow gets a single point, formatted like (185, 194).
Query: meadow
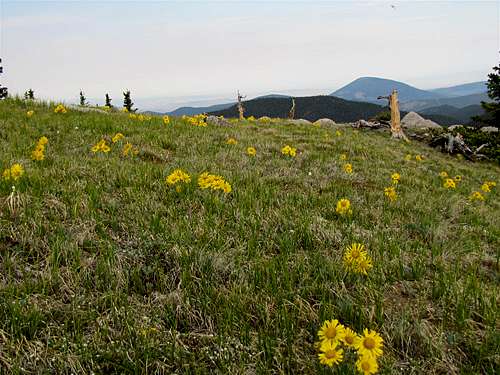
(108, 267)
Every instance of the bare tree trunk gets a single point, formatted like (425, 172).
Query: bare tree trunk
(241, 109)
(291, 114)
(396, 129)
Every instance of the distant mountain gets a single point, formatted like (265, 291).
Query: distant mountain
(458, 102)
(462, 90)
(367, 89)
(461, 115)
(191, 111)
(310, 108)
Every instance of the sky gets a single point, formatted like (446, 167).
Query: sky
(171, 53)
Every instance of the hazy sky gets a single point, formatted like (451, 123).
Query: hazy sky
(186, 50)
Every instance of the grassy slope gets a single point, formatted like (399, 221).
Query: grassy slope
(104, 268)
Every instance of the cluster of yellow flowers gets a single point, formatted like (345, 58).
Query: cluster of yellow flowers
(344, 207)
(13, 173)
(251, 118)
(39, 152)
(419, 158)
(140, 117)
(30, 113)
(60, 109)
(338, 133)
(129, 149)
(486, 188)
(205, 181)
(214, 182)
(390, 192)
(101, 146)
(290, 151)
(369, 346)
(232, 141)
(117, 137)
(251, 151)
(197, 120)
(166, 120)
(448, 182)
(348, 168)
(357, 260)
(176, 178)
(395, 177)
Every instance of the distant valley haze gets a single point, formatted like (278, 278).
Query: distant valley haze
(174, 54)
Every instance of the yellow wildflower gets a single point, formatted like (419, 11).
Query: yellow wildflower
(348, 168)
(288, 150)
(457, 178)
(125, 110)
(60, 109)
(15, 172)
(338, 133)
(232, 141)
(390, 192)
(356, 259)
(166, 120)
(476, 196)
(38, 153)
(43, 140)
(443, 174)
(331, 332)
(367, 365)
(419, 158)
(30, 113)
(214, 182)
(395, 178)
(449, 183)
(370, 343)
(178, 176)
(126, 149)
(132, 116)
(350, 337)
(101, 146)
(251, 151)
(343, 156)
(344, 207)
(117, 137)
(330, 355)
(408, 157)
(486, 188)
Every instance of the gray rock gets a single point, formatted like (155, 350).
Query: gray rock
(489, 129)
(414, 121)
(324, 122)
(299, 122)
(219, 121)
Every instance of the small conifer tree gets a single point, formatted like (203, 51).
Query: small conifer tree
(31, 94)
(83, 100)
(492, 109)
(127, 102)
(108, 101)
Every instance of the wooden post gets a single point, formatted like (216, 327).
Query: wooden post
(241, 109)
(291, 114)
(396, 129)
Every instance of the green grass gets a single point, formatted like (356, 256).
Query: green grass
(104, 268)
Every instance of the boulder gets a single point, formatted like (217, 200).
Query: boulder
(453, 127)
(489, 129)
(219, 121)
(299, 122)
(414, 121)
(324, 122)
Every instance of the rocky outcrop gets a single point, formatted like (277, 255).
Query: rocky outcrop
(414, 121)
(324, 122)
(489, 129)
(219, 121)
(299, 122)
